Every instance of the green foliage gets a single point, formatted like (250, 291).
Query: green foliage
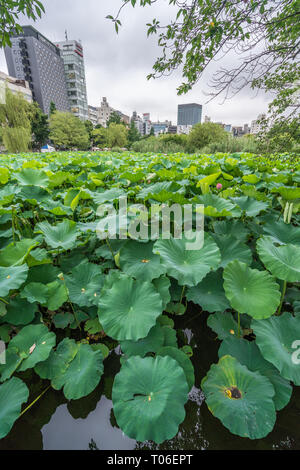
(204, 134)
(133, 134)
(39, 126)
(11, 10)
(117, 135)
(67, 131)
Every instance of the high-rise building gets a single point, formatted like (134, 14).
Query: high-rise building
(105, 112)
(147, 123)
(138, 122)
(72, 54)
(16, 86)
(34, 58)
(93, 115)
(189, 114)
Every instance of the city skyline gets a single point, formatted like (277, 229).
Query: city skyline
(117, 65)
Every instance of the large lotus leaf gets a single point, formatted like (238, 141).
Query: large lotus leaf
(251, 206)
(249, 355)
(234, 228)
(84, 284)
(290, 193)
(33, 194)
(34, 344)
(12, 278)
(58, 361)
(139, 261)
(209, 294)
(108, 196)
(152, 343)
(282, 233)
(232, 249)
(163, 284)
(19, 312)
(148, 396)
(82, 375)
(278, 340)
(35, 292)
(251, 291)
(62, 235)
(242, 400)
(32, 177)
(15, 254)
(129, 309)
(223, 324)
(57, 295)
(189, 267)
(283, 261)
(215, 206)
(13, 394)
(183, 360)
(44, 274)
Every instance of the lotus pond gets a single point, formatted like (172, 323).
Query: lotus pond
(123, 343)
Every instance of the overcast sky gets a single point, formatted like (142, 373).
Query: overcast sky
(117, 65)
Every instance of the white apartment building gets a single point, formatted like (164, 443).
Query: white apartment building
(93, 115)
(184, 129)
(15, 85)
(105, 112)
(256, 126)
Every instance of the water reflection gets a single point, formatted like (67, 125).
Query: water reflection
(89, 423)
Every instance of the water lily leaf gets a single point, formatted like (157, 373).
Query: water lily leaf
(183, 360)
(151, 391)
(32, 177)
(39, 335)
(129, 309)
(282, 261)
(278, 340)
(15, 254)
(242, 400)
(189, 267)
(62, 235)
(82, 375)
(139, 261)
(223, 324)
(209, 294)
(162, 285)
(282, 233)
(12, 278)
(13, 394)
(58, 361)
(215, 206)
(152, 343)
(249, 355)
(170, 337)
(232, 249)
(290, 193)
(57, 295)
(251, 206)
(108, 196)
(84, 284)
(63, 320)
(234, 228)
(251, 291)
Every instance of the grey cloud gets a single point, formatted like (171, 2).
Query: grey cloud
(117, 65)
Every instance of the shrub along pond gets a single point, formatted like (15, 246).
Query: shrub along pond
(189, 348)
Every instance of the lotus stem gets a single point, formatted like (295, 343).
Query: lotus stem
(239, 325)
(282, 298)
(31, 404)
(182, 294)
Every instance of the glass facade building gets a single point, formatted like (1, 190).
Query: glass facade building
(189, 114)
(35, 59)
(72, 54)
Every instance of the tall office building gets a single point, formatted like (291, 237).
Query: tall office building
(72, 54)
(34, 58)
(189, 114)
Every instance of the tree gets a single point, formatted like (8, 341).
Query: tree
(283, 136)
(264, 33)
(99, 136)
(115, 118)
(52, 108)
(10, 10)
(39, 126)
(67, 131)
(204, 134)
(133, 134)
(89, 127)
(117, 135)
(15, 122)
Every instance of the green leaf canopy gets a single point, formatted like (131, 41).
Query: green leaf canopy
(209, 294)
(139, 261)
(251, 291)
(62, 235)
(12, 278)
(148, 396)
(282, 261)
(84, 284)
(13, 394)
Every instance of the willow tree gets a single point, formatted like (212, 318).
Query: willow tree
(15, 123)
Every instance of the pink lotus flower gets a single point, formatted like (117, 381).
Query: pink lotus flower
(219, 186)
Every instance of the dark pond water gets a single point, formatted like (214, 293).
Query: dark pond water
(89, 423)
